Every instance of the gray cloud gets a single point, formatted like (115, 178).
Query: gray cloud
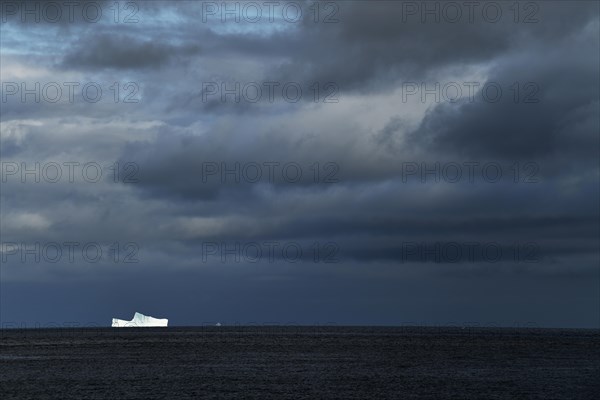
(122, 52)
(554, 117)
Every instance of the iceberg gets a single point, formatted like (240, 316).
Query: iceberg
(139, 320)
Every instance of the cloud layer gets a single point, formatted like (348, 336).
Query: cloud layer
(370, 136)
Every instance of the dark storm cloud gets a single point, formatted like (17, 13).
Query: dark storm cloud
(123, 52)
(195, 167)
(555, 118)
(375, 45)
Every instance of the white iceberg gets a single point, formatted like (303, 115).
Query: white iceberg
(139, 320)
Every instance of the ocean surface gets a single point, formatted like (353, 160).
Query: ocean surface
(299, 363)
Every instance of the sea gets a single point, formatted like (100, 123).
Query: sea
(303, 362)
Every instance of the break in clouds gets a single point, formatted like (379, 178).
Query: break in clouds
(360, 162)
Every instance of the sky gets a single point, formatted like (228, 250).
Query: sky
(322, 163)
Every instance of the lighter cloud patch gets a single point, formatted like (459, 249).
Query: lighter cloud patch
(14, 69)
(17, 129)
(26, 220)
(199, 227)
(113, 130)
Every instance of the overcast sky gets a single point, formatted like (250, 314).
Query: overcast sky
(348, 162)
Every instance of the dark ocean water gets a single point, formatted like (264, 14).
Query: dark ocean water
(299, 363)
